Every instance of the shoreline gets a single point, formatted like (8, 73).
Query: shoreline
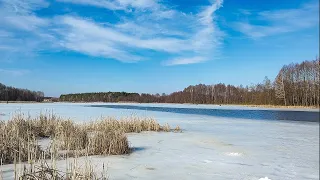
(282, 107)
(12, 102)
(209, 147)
(124, 102)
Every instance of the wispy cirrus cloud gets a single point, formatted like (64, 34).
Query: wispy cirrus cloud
(280, 21)
(18, 14)
(25, 22)
(22, 32)
(144, 25)
(23, 7)
(195, 35)
(89, 38)
(185, 60)
(116, 4)
(14, 72)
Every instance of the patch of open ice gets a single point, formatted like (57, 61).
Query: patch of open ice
(207, 161)
(265, 178)
(233, 154)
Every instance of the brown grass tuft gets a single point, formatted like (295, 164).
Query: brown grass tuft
(18, 143)
(108, 143)
(177, 129)
(166, 128)
(127, 125)
(18, 136)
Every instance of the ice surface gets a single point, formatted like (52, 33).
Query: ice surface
(209, 147)
(265, 178)
(210, 106)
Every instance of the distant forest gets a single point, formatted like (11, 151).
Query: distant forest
(295, 85)
(8, 93)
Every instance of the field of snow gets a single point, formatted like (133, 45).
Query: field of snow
(209, 148)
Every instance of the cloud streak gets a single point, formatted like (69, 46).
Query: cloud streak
(22, 32)
(185, 60)
(13, 72)
(280, 21)
(199, 37)
(144, 26)
(116, 4)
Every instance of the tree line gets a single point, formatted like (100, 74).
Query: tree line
(8, 93)
(295, 85)
(298, 84)
(100, 96)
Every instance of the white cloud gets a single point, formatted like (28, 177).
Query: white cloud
(209, 36)
(186, 60)
(280, 21)
(98, 3)
(149, 25)
(22, 7)
(144, 25)
(25, 22)
(4, 33)
(138, 3)
(205, 41)
(116, 4)
(82, 34)
(13, 72)
(258, 31)
(21, 30)
(198, 37)
(18, 14)
(206, 15)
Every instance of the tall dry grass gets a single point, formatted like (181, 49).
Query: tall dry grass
(18, 142)
(130, 124)
(107, 136)
(44, 170)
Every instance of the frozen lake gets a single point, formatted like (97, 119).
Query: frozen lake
(257, 114)
(218, 142)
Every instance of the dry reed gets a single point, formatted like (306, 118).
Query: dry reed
(19, 135)
(47, 171)
(127, 125)
(18, 142)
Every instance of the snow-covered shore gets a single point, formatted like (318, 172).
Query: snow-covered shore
(209, 147)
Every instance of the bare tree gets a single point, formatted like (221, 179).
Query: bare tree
(280, 88)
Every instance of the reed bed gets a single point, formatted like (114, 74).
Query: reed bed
(18, 143)
(107, 136)
(44, 170)
(127, 125)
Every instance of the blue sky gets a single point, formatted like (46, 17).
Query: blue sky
(152, 46)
